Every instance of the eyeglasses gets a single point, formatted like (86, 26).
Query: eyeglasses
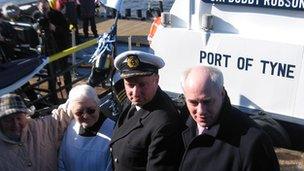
(89, 111)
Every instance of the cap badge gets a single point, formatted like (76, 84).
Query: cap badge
(132, 61)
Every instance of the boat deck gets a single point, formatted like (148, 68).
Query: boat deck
(125, 28)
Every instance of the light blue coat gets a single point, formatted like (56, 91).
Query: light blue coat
(80, 153)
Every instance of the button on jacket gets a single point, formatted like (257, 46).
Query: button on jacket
(150, 139)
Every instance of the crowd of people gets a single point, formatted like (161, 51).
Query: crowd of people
(150, 133)
(53, 20)
(59, 17)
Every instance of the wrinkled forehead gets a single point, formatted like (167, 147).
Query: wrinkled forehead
(83, 102)
(202, 82)
(200, 89)
(139, 79)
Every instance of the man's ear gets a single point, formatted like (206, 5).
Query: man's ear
(223, 92)
(156, 78)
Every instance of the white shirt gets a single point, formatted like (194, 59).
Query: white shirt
(200, 129)
(137, 108)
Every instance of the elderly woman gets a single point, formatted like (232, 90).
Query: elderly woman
(29, 144)
(85, 145)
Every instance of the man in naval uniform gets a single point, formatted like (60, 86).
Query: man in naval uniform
(147, 135)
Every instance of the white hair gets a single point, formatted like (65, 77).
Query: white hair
(215, 75)
(81, 92)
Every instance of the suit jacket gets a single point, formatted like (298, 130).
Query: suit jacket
(234, 143)
(150, 139)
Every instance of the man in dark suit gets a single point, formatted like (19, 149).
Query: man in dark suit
(56, 37)
(147, 135)
(219, 136)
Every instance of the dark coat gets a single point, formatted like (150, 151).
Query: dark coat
(150, 139)
(234, 143)
(70, 11)
(87, 8)
(61, 33)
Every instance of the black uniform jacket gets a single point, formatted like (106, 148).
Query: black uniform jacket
(150, 139)
(234, 143)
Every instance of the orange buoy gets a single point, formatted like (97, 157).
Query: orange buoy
(156, 23)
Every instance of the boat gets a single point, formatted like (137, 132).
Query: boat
(257, 44)
(259, 49)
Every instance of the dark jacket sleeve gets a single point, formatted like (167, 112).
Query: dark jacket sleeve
(164, 152)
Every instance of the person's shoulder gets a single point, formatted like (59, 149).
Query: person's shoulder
(164, 101)
(107, 127)
(250, 130)
(39, 125)
(242, 119)
(239, 129)
(165, 112)
(164, 108)
(72, 124)
(109, 122)
(243, 126)
(162, 117)
(255, 140)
